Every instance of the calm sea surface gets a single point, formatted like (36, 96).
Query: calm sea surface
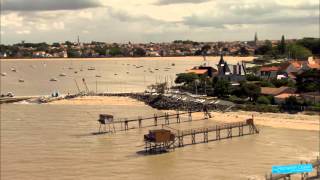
(55, 142)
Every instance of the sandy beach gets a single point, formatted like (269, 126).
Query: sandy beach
(277, 120)
(191, 58)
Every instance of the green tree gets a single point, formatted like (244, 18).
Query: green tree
(313, 44)
(308, 81)
(115, 51)
(282, 45)
(251, 90)
(186, 78)
(264, 49)
(263, 100)
(159, 87)
(298, 52)
(291, 101)
(139, 52)
(221, 88)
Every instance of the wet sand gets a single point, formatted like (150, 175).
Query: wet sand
(276, 120)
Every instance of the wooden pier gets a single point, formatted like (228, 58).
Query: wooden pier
(303, 176)
(155, 120)
(219, 132)
(212, 133)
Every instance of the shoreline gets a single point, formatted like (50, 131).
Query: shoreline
(229, 58)
(297, 121)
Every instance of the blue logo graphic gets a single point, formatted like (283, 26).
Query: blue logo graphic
(294, 168)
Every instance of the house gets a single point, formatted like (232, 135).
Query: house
(203, 70)
(39, 54)
(268, 72)
(228, 72)
(281, 98)
(270, 91)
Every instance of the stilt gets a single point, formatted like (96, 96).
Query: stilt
(189, 115)
(155, 119)
(229, 132)
(126, 127)
(166, 118)
(217, 133)
(193, 137)
(178, 117)
(140, 121)
(205, 136)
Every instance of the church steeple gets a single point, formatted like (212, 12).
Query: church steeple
(221, 60)
(255, 38)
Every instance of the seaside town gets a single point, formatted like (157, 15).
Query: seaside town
(94, 49)
(283, 76)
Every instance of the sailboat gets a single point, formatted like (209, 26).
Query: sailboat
(13, 69)
(53, 79)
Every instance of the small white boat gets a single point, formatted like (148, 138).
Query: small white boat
(91, 68)
(13, 69)
(62, 74)
(53, 79)
(3, 74)
(21, 80)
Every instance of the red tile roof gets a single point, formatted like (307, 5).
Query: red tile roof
(285, 95)
(275, 91)
(197, 71)
(270, 68)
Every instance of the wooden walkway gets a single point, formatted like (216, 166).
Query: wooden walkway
(244, 128)
(166, 119)
(303, 176)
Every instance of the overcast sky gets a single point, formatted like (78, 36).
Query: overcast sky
(156, 20)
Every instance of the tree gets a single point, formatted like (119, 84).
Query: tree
(139, 52)
(298, 52)
(186, 78)
(115, 51)
(282, 45)
(251, 90)
(221, 88)
(291, 101)
(263, 100)
(159, 87)
(264, 49)
(313, 44)
(244, 51)
(308, 81)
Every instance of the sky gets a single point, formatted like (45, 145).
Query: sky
(142, 21)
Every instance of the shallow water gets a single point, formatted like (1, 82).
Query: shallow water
(117, 75)
(55, 142)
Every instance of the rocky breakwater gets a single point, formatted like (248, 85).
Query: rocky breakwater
(176, 102)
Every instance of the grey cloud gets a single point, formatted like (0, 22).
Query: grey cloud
(168, 2)
(48, 5)
(255, 14)
(126, 17)
(217, 22)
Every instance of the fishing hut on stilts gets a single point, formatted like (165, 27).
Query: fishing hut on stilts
(106, 120)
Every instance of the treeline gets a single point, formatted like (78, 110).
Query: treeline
(299, 49)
